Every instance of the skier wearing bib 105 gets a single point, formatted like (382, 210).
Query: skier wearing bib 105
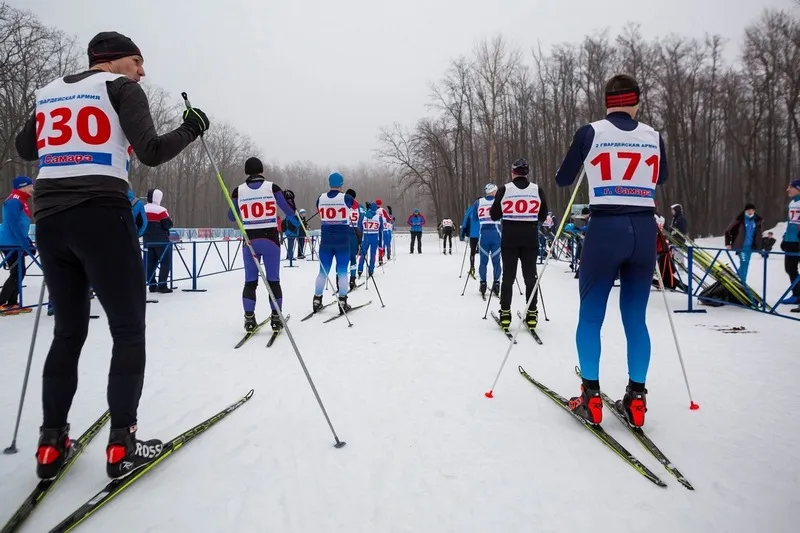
(372, 225)
(489, 241)
(334, 208)
(355, 237)
(624, 161)
(256, 201)
(518, 204)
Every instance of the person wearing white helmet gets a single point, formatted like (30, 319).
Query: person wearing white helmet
(488, 240)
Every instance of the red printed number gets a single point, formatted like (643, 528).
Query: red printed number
(520, 207)
(91, 124)
(329, 213)
(484, 212)
(634, 158)
(794, 215)
(354, 216)
(259, 209)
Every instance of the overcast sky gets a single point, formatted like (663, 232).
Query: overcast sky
(315, 79)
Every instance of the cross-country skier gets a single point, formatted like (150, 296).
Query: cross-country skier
(387, 232)
(355, 237)
(372, 225)
(624, 161)
(386, 218)
(518, 204)
(334, 209)
(257, 201)
(791, 241)
(85, 234)
(447, 228)
(489, 241)
(471, 227)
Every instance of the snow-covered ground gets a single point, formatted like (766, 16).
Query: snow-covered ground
(426, 451)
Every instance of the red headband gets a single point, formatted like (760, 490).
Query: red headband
(622, 98)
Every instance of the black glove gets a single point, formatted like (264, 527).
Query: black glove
(196, 120)
(288, 195)
(783, 246)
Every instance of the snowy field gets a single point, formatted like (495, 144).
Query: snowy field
(426, 451)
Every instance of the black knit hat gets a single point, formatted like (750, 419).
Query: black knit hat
(253, 166)
(110, 45)
(749, 206)
(351, 192)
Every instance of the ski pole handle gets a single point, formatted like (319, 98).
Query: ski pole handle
(186, 100)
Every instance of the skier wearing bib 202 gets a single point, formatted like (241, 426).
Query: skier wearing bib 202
(471, 227)
(334, 209)
(489, 241)
(82, 132)
(256, 200)
(355, 237)
(372, 225)
(624, 161)
(518, 204)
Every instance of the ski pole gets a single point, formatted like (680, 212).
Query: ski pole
(518, 286)
(490, 392)
(370, 276)
(692, 406)
(12, 449)
(263, 275)
(489, 300)
(544, 307)
(463, 259)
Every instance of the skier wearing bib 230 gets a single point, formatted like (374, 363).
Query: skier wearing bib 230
(334, 208)
(256, 201)
(624, 161)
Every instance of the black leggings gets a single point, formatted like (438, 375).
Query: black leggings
(792, 264)
(473, 249)
(9, 295)
(97, 246)
(527, 256)
(448, 235)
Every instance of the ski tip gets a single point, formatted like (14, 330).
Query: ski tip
(339, 444)
(489, 394)
(249, 394)
(693, 406)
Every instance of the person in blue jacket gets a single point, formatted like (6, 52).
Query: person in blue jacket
(791, 243)
(139, 215)
(416, 221)
(372, 226)
(489, 241)
(14, 241)
(471, 226)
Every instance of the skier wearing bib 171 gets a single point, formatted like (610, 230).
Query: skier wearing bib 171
(372, 225)
(82, 132)
(256, 201)
(355, 237)
(489, 241)
(791, 243)
(334, 208)
(624, 160)
(518, 204)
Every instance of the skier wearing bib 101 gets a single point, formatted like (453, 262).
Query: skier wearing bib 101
(372, 225)
(518, 204)
(256, 200)
(624, 160)
(355, 237)
(471, 227)
(82, 132)
(334, 208)
(489, 241)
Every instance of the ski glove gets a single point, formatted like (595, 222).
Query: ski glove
(196, 120)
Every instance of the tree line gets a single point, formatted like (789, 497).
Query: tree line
(732, 129)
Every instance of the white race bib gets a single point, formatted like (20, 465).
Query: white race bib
(521, 204)
(257, 207)
(794, 212)
(333, 211)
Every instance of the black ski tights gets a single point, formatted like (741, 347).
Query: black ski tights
(527, 256)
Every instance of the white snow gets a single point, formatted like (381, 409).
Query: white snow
(426, 451)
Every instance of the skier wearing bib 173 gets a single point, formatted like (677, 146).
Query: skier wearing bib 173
(355, 237)
(624, 160)
(256, 200)
(372, 224)
(518, 204)
(334, 208)
(82, 132)
(489, 241)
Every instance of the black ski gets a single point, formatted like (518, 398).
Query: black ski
(44, 487)
(249, 334)
(275, 333)
(532, 331)
(497, 319)
(642, 437)
(116, 486)
(312, 313)
(348, 312)
(597, 431)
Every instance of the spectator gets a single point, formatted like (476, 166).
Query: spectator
(744, 235)
(157, 242)
(15, 243)
(139, 214)
(416, 221)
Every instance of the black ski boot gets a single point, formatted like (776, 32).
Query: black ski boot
(54, 449)
(352, 282)
(633, 405)
(482, 288)
(126, 454)
(532, 318)
(505, 319)
(496, 289)
(451, 251)
(250, 322)
(343, 305)
(275, 321)
(316, 304)
(588, 405)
